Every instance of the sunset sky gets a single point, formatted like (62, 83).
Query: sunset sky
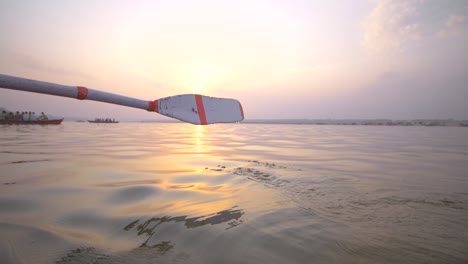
(282, 59)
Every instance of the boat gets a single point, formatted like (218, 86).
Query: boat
(32, 122)
(103, 120)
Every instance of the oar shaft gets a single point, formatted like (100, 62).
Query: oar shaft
(77, 92)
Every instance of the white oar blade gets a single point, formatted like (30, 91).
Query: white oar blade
(201, 110)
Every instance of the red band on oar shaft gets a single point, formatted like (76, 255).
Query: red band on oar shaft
(201, 109)
(82, 93)
(153, 106)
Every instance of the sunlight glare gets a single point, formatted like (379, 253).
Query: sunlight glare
(202, 76)
(199, 143)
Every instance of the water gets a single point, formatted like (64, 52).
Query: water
(248, 193)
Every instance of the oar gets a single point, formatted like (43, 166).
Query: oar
(192, 108)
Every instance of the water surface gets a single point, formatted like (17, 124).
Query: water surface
(234, 193)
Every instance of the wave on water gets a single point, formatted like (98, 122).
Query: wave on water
(135, 193)
(345, 200)
(153, 248)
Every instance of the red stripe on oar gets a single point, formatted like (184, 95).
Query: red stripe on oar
(201, 109)
(153, 106)
(242, 111)
(82, 92)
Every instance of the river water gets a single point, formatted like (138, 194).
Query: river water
(233, 193)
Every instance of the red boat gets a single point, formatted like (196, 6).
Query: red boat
(32, 122)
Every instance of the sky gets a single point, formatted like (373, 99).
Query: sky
(298, 59)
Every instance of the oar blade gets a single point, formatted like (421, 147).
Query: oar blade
(201, 110)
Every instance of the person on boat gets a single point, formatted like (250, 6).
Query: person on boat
(33, 116)
(18, 116)
(43, 116)
(3, 115)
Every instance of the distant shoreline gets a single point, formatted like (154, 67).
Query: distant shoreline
(365, 122)
(341, 122)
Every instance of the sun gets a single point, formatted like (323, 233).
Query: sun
(203, 76)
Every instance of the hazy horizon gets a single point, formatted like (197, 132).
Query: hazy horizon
(164, 119)
(297, 60)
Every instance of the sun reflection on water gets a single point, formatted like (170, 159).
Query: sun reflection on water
(199, 140)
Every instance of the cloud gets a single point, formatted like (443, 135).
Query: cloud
(452, 26)
(390, 24)
(396, 24)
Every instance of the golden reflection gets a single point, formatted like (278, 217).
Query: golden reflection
(200, 188)
(180, 206)
(129, 183)
(181, 186)
(199, 139)
(199, 170)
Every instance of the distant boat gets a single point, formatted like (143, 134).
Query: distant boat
(103, 120)
(32, 122)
